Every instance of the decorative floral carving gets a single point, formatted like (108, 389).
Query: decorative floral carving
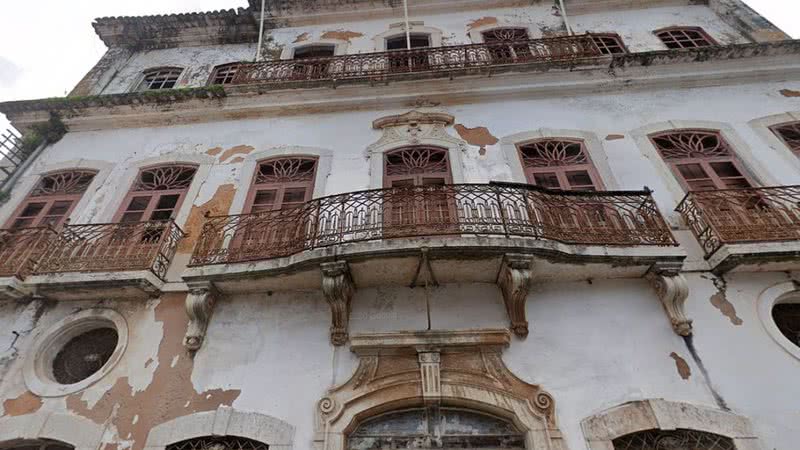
(285, 170)
(327, 405)
(553, 152)
(681, 144)
(64, 183)
(165, 178)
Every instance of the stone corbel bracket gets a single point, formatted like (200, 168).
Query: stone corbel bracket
(514, 281)
(338, 289)
(672, 288)
(200, 303)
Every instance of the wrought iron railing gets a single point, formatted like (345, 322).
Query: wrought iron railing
(112, 247)
(510, 210)
(21, 248)
(12, 155)
(420, 60)
(742, 215)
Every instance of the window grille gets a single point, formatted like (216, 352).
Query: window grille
(789, 134)
(673, 440)
(224, 74)
(84, 355)
(161, 78)
(609, 44)
(677, 38)
(701, 159)
(787, 318)
(52, 199)
(505, 35)
(559, 164)
(218, 443)
(416, 166)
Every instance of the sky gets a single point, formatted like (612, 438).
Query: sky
(49, 45)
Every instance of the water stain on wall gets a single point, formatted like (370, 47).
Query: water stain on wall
(171, 394)
(683, 367)
(219, 204)
(27, 403)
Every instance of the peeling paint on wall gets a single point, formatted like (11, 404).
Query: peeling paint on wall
(301, 38)
(481, 22)
(615, 137)
(478, 136)
(218, 204)
(721, 302)
(236, 160)
(683, 367)
(170, 395)
(790, 93)
(214, 151)
(343, 35)
(237, 150)
(27, 403)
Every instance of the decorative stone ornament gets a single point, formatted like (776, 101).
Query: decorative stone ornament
(514, 281)
(672, 289)
(430, 374)
(200, 303)
(338, 288)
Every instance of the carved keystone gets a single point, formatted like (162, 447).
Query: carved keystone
(430, 372)
(672, 289)
(199, 305)
(338, 288)
(514, 281)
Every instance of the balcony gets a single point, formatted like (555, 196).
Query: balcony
(746, 229)
(432, 62)
(19, 251)
(451, 233)
(119, 260)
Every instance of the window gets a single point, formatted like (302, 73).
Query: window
(408, 62)
(684, 37)
(789, 134)
(39, 444)
(282, 183)
(701, 159)
(224, 74)
(160, 78)
(311, 67)
(609, 44)
(84, 355)
(673, 440)
(502, 47)
(787, 318)
(401, 43)
(433, 427)
(157, 194)
(219, 443)
(52, 200)
(416, 166)
(314, 51)
(505, 35)
(559, 164)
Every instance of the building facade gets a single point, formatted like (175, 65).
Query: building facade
(496, 224)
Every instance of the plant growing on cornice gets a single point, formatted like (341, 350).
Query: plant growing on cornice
(51, 132)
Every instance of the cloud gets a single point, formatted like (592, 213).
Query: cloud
(9, 72)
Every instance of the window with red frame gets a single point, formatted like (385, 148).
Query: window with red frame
(157, 194)
(416, 166)
(52, 200)
(282, 183)
(684, 37)
(224, 74)
(507, 44)
(559, 164)
(701, 159)
(789, 134)
(609, 44)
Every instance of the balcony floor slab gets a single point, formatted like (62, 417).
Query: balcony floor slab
(12, 288)
(756, 257)
(127, 285)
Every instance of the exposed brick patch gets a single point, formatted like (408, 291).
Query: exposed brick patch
(478, 136)
(238, 150)
(790, 93)
(218, 205)
(481, 22)
(301, 38)
(236, 160)
(683, 367)
(721, 302)
(214, 151)
(343, 35)
(27, 403)
(615, 137)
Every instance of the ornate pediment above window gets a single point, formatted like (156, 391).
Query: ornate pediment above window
(414, 128)
(404, 370)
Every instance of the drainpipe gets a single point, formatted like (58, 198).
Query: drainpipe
(566, 19)
(408, 30)
(260, 32)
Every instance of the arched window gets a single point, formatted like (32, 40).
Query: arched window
(787, 318)
(684, 37)
(314, 51)
(157, 193)
(285, 182)
(416, 166)
(673, 440)
(313, 62)
(160, 78)
(701, 159)
(433, 427)
(418, 40)
(789, 134)
(504, 44)
(609, 44)
(52, 200)
(224, 74)
(559, 164)
(218, 443)
(39, 444)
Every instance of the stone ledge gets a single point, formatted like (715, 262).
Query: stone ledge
(379, 343)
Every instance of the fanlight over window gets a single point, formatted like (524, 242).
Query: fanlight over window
(418, 40)
(282, 183)
(429, 428)
(416, 166)
(505, 35)
(789, 134)
(673, 440)
(684, 37)
(787, 318)
(218, 443)
(53, 199)
(314, 51)
(701, 159)
(224, 74)
(559, 164)
(160, 78)
(157, 193)
(39, 444)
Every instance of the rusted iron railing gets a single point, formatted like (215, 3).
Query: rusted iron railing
(510, 210)
(732, 216)
(20, 249)
(12, 155)
(112, 247)
(420, 60)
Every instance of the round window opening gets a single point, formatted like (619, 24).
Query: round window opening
(84, 355)
(787, 318)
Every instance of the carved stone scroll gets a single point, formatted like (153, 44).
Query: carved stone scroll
(514, 281)
(672, 289)
(200, 303)
(338, 288)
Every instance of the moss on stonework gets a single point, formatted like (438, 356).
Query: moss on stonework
(51, 132)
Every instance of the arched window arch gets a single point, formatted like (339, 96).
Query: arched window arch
(218, 443)
(434, 427)
(38, 444)
(282, 182)
(789, 133)
(224, 74)
(701, 159)
(416, 166)
(673, 440)
(559, 163)
(52, 199)
(157, 193)
(160, 78)
(684, 37)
